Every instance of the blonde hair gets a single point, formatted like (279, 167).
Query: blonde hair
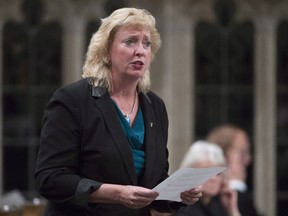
(96, 65)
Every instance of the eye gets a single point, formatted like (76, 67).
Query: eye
(147, 44)
(130, 41)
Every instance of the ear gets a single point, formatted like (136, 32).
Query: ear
(107, 59)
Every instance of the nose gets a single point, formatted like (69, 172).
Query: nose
(140, 50)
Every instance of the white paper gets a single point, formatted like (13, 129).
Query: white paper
(184, 179)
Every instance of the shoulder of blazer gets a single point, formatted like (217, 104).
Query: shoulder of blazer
(98, 92)
(76, 87)
(154, 99)
(73, 94)
(83, 87)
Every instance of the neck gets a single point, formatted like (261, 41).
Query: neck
(123, 86)
(127, 104)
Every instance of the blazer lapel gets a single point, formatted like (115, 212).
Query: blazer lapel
(108, 111)
(149, 119)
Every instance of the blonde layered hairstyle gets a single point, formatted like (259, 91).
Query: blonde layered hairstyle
(96, 66)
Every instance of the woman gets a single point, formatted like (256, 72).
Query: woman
(104, 138)
(218, 199)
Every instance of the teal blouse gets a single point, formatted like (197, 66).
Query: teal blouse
(135, 136)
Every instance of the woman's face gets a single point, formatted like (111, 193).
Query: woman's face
(130, 53)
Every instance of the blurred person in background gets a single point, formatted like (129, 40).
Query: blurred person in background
(104, 138)
(236, 146)
(217, 199)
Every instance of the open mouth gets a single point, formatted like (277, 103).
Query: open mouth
(140, 63)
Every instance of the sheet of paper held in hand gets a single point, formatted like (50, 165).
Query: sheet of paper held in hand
(184, 179)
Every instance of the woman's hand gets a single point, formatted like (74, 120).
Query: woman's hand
(127, 195)
(136, 197)
(191, 196)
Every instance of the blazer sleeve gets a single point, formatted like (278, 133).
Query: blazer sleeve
(57, 159)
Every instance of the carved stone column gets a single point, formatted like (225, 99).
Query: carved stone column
(73, 49)
(265, 121)
(73, 16)
(177, 48)
(178, 23)
(265, 15)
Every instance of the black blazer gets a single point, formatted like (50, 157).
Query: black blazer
(83, 145)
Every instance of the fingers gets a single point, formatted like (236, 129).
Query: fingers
(191, 196)
(137, 197)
